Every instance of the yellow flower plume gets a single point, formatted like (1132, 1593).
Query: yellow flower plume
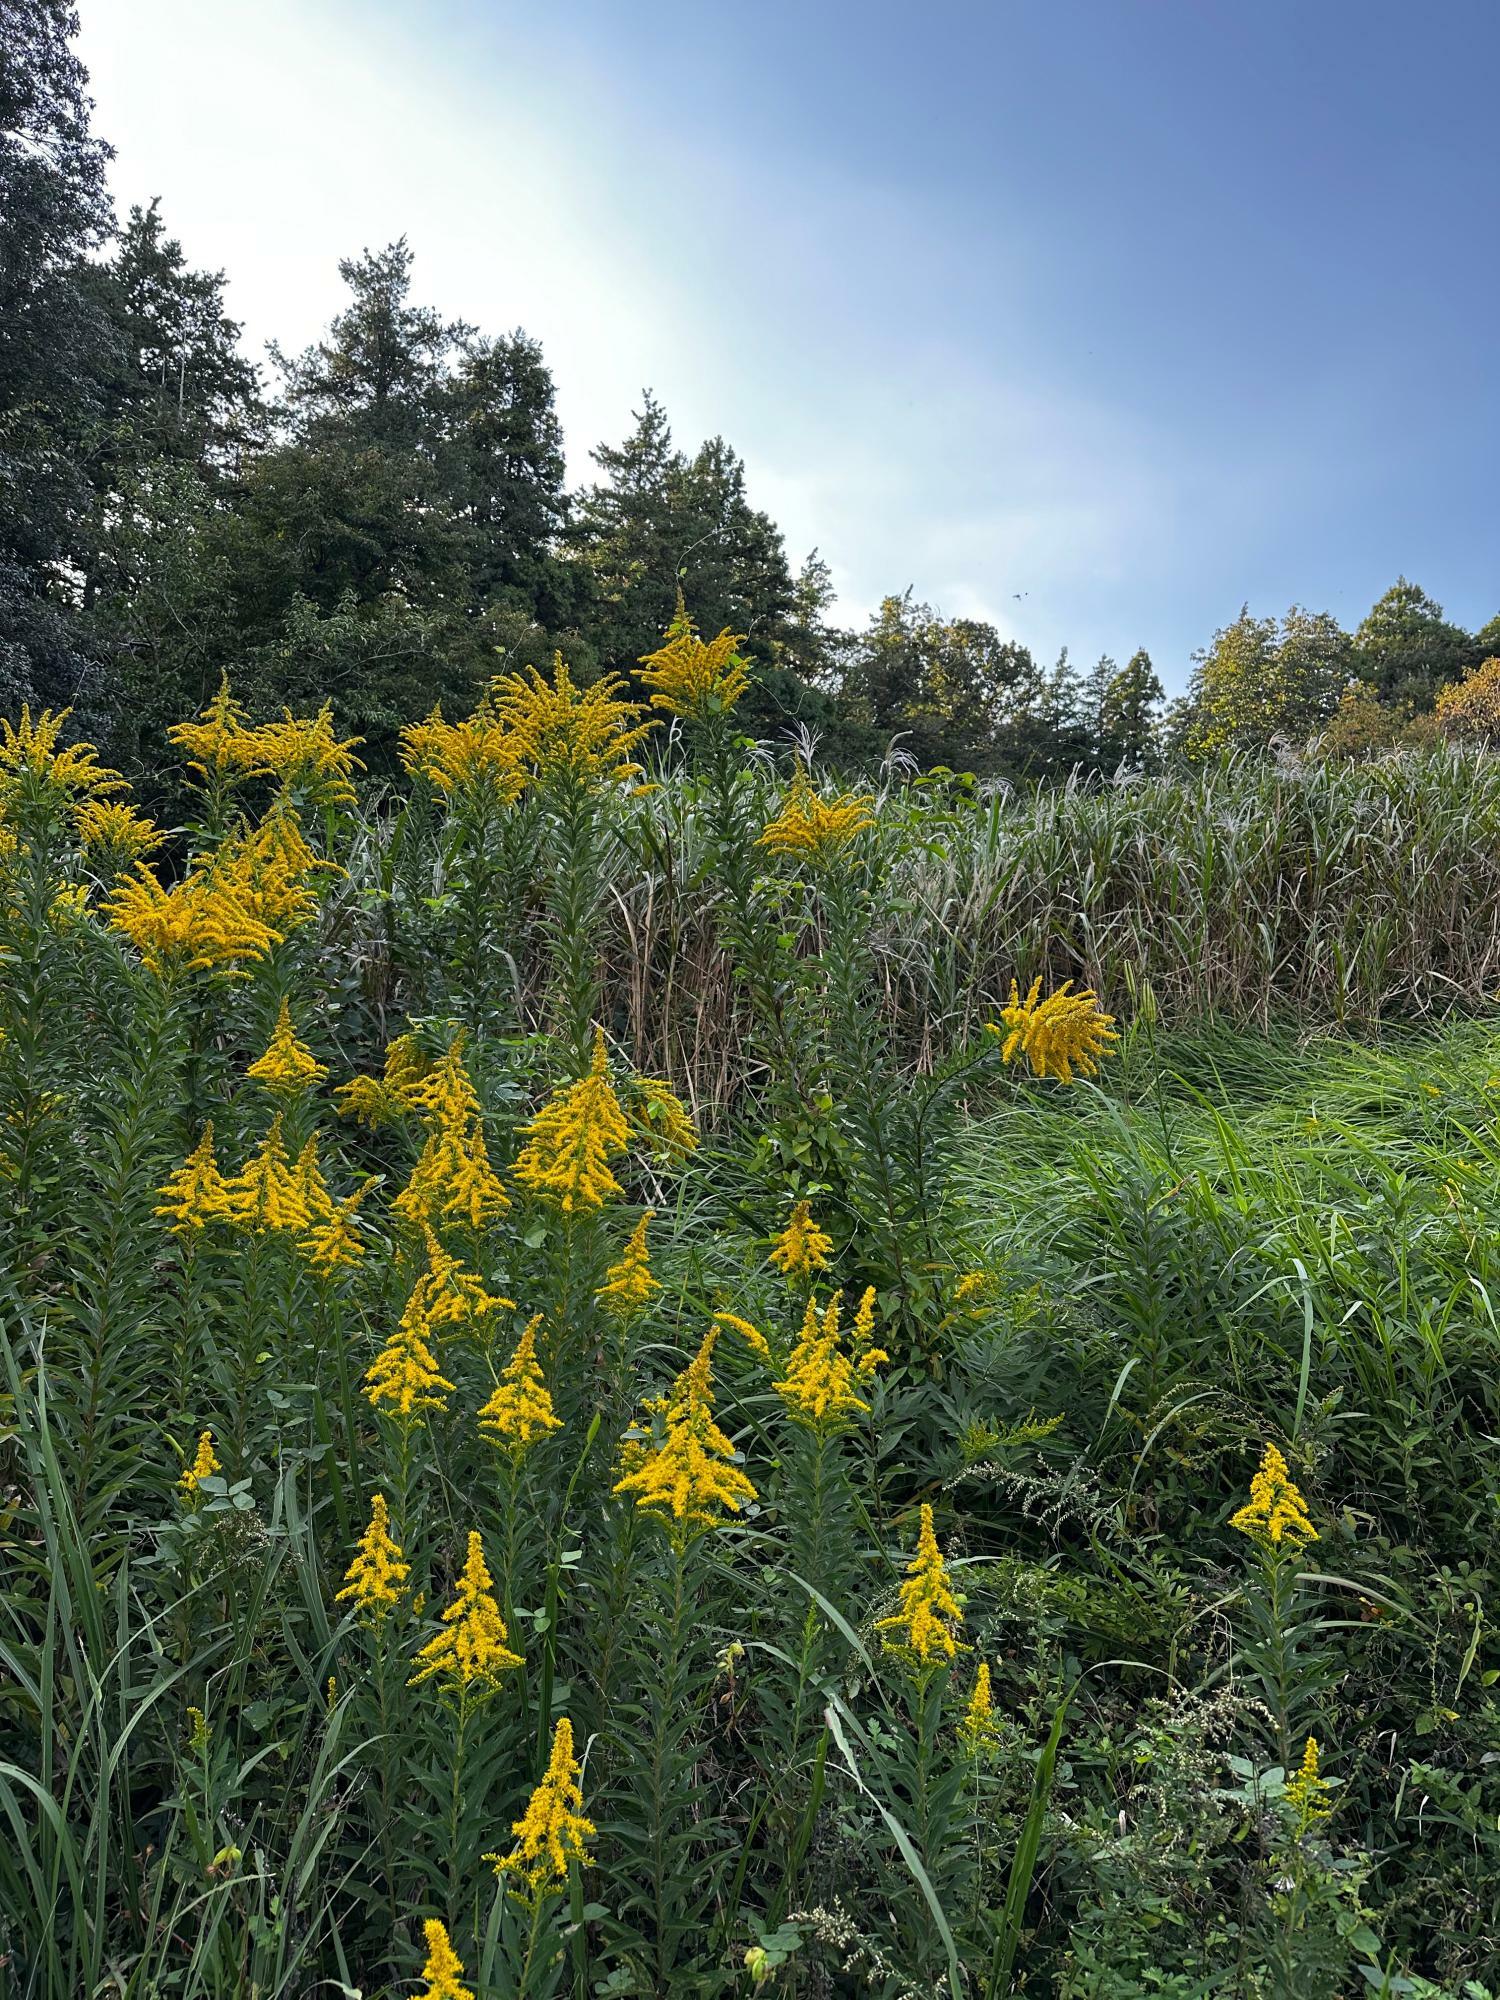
(197, 1193)
(268, 1194)
(810, 826)
(926, 1627)
(205, 1464)
(1307, 1791)
(688, 1475)
(520, 1409)
(802, 1247)
(571, 1140)
(1275, 1512)
(979, 1726)
(692, 677)
(818, 1388)
(444, 1968)
(552, 1832)
(473, 1650)
(628, 1284)
(376, 1578)
(288, 1067)
(1065, 1032)
(404, 1379)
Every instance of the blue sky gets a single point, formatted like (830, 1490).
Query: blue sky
(1093, 317)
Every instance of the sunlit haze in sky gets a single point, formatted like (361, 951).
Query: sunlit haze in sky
(1095, 318)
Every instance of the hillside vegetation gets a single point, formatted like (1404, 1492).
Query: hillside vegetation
(576, 1424)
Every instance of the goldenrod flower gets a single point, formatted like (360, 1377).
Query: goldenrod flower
(552, 1832)
(867, 1356)
(815, 827)
(197, 1193)
(473, 1650)
(404, 1378)
(571, 1140)
(558, 730)
(268, 1193)
(479, 757)
(205, 1464)
(444, 1092)
(628, 1285)
(205, 923)
(288, 1067)
(376, 1100)
(661, 1118)
(802, 1247)
(688, 1473)
(377, 1576)
(444, 1968)
(979, 1729)
(30, 748)
(446, 1296)
(1307, 1792)
(693, 678)
(818, 1388)
(926, 1627)
(520, 1410)
(333, 1243)
(1065, 1032)
(306, 755)
(1275, 1512)
(114, 829)
(218, 741)
(752, 1336)
(453, 1180)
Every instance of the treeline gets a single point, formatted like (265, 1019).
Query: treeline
(385, 518)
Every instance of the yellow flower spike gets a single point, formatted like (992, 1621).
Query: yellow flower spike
(691, 677)
(1275, 1513)
(473, 1650)
(404, 1380)
(752, 1336)
(552, 1833)
(557, 730)
(571, 1140)
(28, 747)
(197, 1193)
(1065, 1032)
(447, 1297)
(205, 1464)
(453, 1181)
(1307, 1791)
(114, 830)
(812, 827)
(867, 1356)
(205, 923)
(268, 1194)
(478, 759)
(288, 1067)
(333, 1244)
(802, 1247)
(628, 1286)
(520, 1409)
(818, 1388)
(376, 1578)
(979, 1728)
(377, 1100)
(659, 1117)
(444, 1968)
(306, 755)
(687, 1475)
(218, 741)
(926, 1627)
(445, 1093)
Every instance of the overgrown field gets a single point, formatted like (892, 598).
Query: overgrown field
(574, 1424)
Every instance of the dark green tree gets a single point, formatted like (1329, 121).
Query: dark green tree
(55, 346)
(1406, 649)
(1130, 715)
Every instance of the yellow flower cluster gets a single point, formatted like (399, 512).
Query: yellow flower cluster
(288, 1067)
(1275, 1512)
(32, 749)
(194, 1196)
(802, 1247)
(979, 1726)
(659, 1117)
(205, 1464)
(404, 1379)
(473, 1650)
(1307, 1790)
(231, 906)
(628, 1284)
(453, 1180)
(377, 1100)
(1065, 1032)
(926, 1627)
(443, 1970)
(552, 1833)
(810, 825)
(302, 752)
(819, 1387)
(269, 1194)
(688, 1474)
(477, 757)
(570, 1142)
(520, 1409)
(561, 731)
(376, 1578)
(114, 830)
(693, 678)
(448, 1297)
